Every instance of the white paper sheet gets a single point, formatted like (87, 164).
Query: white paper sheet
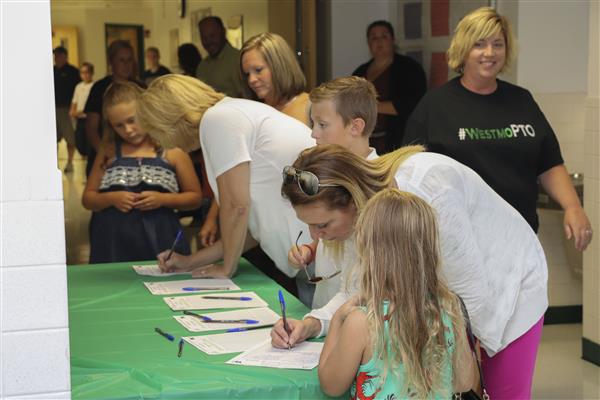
(203, 286)
(154, 270)
(265, 316)
(304, 355)
(233, 342)
(198, 302)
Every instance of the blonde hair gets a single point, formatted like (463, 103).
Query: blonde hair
(117, 93)
(480, 24)
(356, 179)
(353, 96)
(397, 243)
(287, 77)
(171, 109)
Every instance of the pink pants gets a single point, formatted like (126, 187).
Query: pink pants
(509, 374)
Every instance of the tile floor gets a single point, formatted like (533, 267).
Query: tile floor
(560, 371)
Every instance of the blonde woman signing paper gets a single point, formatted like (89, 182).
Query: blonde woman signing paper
(246, 144)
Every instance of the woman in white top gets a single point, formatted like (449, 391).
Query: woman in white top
(490, 255)
(245, 144)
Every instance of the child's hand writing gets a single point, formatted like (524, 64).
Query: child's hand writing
(122, 200)
(149, 200)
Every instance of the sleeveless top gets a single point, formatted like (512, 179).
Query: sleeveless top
(137, 235)
(367, 385)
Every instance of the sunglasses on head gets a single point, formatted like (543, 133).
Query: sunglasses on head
(307, 181)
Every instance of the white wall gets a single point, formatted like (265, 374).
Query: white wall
(35, 334)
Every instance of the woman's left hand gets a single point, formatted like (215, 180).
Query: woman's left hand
(149, 200)
(211, 271)
(577, 226)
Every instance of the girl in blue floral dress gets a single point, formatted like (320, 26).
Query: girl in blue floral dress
(407, 337)
(135, 187)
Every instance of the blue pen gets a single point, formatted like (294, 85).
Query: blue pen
(242, 298)
(164, 334)
(285, 324)
(197, 289)
(247, 329)
(206, 318)
(179, 234)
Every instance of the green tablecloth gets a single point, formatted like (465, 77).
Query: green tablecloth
(115, 353)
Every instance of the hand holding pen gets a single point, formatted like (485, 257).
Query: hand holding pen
(171, 261)
(285, 324)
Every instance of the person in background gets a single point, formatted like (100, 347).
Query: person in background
(245, 145)
(82, 91)
(66, 77)
(220, 68)
(497, 128)
(135, 187)
(189, 57)
(407, 338)
(271, 74)
(490, 256)
(400, 82)
(122, 65)
(155, 69)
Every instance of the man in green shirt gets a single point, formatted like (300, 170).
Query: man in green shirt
(221, 68)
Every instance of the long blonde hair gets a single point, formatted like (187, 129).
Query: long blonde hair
(117, 93)
(356, 179)
(397, 243)
(171, 109)
(287, 77)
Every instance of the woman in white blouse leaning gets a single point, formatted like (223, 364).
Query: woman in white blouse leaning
(245, 145)
(490, 255)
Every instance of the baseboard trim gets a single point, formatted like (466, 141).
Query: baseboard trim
(590, 351)
(563, 315)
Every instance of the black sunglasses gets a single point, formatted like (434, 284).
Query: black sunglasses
(307, 181)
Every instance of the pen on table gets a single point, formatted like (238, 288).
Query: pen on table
(196, 289)
(205, 318)
(242, 298)
(165, 334)
(251, 328)
(180, 347)
(179, 234)
(285, 324)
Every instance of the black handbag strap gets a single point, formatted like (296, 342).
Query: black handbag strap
(472, 344)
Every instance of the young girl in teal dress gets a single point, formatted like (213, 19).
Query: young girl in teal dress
(406, 338)
(135, 187)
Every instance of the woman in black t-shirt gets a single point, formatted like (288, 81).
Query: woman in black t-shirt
(494, 127)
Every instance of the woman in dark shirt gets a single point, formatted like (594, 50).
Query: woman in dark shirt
(400, 82)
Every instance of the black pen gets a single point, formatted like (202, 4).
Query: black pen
(179, 234)
(180, 347)
(242, 298)
(165, 334)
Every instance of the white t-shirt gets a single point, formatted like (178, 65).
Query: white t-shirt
(490, 255)
(234, 131)
(81, 93)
